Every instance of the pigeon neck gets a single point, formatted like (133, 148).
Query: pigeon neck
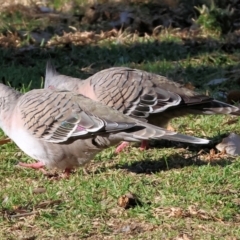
(8, 101)
(8, 98)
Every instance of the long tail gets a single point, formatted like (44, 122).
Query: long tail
(223, 108)
(154, 132)
(214, 107)
(173, 136)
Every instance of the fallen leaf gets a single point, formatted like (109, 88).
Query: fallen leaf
(213, 155)
(39, 190)
(48, 203)
(19, 212)
(194, 211)
(176, 212)
(230, 144)
(128, 200)
(4, 141)
(23, 214)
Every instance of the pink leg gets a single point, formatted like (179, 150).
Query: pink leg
(37, 166)
(144, 145)
(121, 147)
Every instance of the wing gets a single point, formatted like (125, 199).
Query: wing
(57, 116)
(138, 93)
(131, 91)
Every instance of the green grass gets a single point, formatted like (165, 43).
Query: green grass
(184, 191)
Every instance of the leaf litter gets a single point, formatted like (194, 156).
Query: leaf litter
(4, 141)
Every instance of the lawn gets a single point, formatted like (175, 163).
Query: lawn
(170, 191)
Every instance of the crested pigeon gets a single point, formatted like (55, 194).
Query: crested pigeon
(65, 130)
(139, 94)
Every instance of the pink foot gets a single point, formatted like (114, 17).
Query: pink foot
(37, 166)
(144, 145)
(121, 147)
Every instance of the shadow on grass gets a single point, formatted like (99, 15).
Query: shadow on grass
(175, 161)
(195, 156)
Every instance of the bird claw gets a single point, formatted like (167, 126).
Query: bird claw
(121, 147)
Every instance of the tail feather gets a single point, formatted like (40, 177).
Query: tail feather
(217, 107)
(146, 131)
(51, 72)
(178, 137)
(154, 132)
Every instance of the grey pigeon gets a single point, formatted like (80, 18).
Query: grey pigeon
(139, 94)
(65, 130)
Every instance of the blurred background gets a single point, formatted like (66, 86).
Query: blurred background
(193, 42)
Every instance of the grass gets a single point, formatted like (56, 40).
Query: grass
(183, 191)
